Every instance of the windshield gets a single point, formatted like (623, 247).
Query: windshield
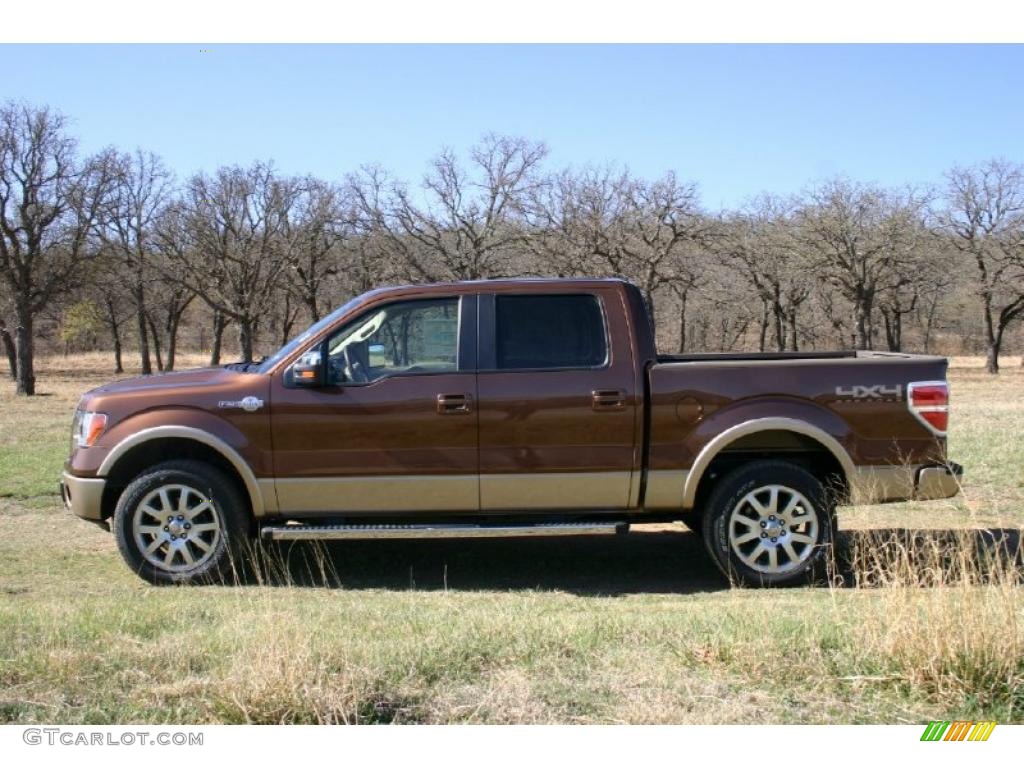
(305, 336)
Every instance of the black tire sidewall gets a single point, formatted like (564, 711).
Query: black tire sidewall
(731, 489)
(230, 506)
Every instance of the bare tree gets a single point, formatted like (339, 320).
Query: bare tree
(143, 190)
(983, 217)
(854, 235)
(464, 223)
(49, 204)
(235, 250)
(759, 244)
(322, 221)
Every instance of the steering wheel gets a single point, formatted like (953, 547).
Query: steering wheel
(353, 371)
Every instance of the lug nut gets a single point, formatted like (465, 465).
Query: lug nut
(166, 528)
(187, 526)
(180, 517)
(774, 538)
(173, 537)
(771, 517)
(170, 519)
(764, 535)
(764, 524)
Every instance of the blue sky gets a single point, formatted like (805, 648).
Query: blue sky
(736, 119)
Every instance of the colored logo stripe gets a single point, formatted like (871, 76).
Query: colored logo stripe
(958, 730)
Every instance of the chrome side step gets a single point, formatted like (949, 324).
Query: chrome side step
(438, 531)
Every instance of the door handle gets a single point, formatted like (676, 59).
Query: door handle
(454, 404)
(608, 399)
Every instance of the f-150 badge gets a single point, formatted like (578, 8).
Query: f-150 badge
(249, 404)
(870, 392)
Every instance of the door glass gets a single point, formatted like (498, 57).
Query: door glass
(545, 331)
(405, 338)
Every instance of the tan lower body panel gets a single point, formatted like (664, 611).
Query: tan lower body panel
(555, 490)
(875, 484)
(665, 489)
(412, 493)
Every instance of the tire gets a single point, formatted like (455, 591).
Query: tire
(154, 538)
(757, 500)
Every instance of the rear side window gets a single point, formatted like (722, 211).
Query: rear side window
(546, 331)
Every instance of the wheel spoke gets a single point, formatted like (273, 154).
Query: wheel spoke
(191, 513)
(169, 557)
(152, 512)
(183, 501)
(187, 554)
(756, 504)
(794, 502)
(152, 530)
(203, 527)
(747, 537)
(773, 499)
(773, 557)
(790, 552)
(165, 501)
(752, 557)
(201, 544)
(154, 545)
(803, 538)
(750, 522)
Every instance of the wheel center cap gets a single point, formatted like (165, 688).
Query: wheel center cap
(774, 529)
(176, 528)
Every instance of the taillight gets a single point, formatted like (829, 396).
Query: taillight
(929, 402)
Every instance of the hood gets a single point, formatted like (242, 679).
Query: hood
(196, 377)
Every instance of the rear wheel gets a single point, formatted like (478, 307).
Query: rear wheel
(769, 523)
(182, 522)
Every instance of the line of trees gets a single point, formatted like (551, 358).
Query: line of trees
(113, 241)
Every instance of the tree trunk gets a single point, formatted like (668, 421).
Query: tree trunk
(172, 339)
(863, 338)
(26, 378)
(115, 335)
(218, 336)
(9, 350)
(794, 345)
(245, 334)
(140, 314)
(682, 324)
(156, 343)
(993, 339)
(763, 336)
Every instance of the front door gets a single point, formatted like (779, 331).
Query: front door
(394, 427)
(558, 402)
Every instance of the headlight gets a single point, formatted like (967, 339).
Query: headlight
(87, 427)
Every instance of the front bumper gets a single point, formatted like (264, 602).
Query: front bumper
(83, 495)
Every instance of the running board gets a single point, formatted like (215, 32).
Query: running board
(440, 531)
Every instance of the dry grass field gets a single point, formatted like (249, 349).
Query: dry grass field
(924, 620)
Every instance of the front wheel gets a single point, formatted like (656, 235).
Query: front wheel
(182, 522)
(769, 523)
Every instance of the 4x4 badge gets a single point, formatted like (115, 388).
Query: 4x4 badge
(249, 404)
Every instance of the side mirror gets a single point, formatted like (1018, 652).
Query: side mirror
(308, 370)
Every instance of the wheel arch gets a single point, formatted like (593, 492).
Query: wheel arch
(745, 435)
(150, 446)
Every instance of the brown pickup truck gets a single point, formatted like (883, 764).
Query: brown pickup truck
(499, 408)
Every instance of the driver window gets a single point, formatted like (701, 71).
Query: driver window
(407, 337)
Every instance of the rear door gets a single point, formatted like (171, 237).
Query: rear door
(557, 401)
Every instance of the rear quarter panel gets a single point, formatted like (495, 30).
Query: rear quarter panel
(693, 402)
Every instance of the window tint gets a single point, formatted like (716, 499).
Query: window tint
(549, 331)
(407, 337)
